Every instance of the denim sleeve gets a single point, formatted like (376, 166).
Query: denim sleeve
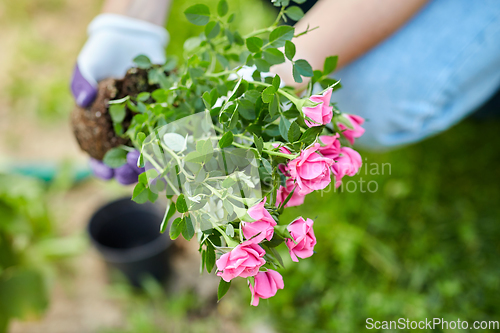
(434, 71)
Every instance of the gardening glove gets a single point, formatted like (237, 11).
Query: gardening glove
(114, 41)
(126, 174)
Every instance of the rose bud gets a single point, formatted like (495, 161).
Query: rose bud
(244, 260)
(322, 113)
(355, 132)
(263, 225)
(302, 232)
(266, 284)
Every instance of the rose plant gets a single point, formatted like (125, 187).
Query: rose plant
(231, 151)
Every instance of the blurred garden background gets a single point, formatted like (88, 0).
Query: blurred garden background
(423, 245)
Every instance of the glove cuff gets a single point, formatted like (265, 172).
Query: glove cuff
(128, 25)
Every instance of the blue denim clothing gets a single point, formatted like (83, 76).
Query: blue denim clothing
(438, 68)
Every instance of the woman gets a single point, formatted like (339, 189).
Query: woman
(412, 68)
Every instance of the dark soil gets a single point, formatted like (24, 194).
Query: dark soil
(93, 127)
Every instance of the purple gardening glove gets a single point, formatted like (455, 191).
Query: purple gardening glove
(126, 174)
(114, 41)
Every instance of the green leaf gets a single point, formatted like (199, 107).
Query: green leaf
(140, 138)
(210, 258)
(246, 109)
(118, 128)
(267, 166)
(181, 204)
(168, 215)
(143, 96)
(141, 107)
(290, 50)
(176, 228)
(115, 158)
(119, 101)
(284, 126)
(234, 119)
(280, 35)
(274, 106)
(223, 288)
(299, 1)
(226, 140)
(276, 82)
(294, 132)
(283, 204)
(268, 94)
(262, 65)
(170, 64)
(198, 14)
(142, 61)
(330, 65)
(222, 60)
(259, 143)
(188, 230)
(196, 72)
(296, 74)
(254, 44)
(238, 39)
(304, 68)
(273, 56)
(140, 194)
(117, 112)
(229, 36)
(229, 228)
(152, 196)
(160, 95)
(132, 106)
(207, 99)
(203, 259)
(281, 3)
(212, 30)
(222, 8)
(230, 19)
(294, 12)
(311, 134)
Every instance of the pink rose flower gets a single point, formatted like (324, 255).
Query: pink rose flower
(310, 170)
(266, 285)
(322, 113)
(263, 226)
(331, 148)
(283, 192)
(348, 164)
(351, 134)
(301, 230)
(244, 260)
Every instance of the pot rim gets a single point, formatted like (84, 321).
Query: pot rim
(134, 254)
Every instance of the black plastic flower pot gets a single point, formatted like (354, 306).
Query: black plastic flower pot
(127, 236)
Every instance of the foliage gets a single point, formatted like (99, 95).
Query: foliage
(218, 140)
(28, 249)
